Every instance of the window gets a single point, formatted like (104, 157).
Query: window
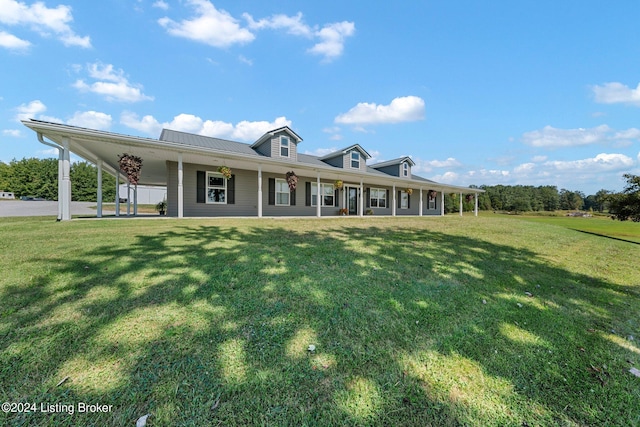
(326, 192)
(355, 160)
(432, 203)
(284, 146)
(378, 198)
(405, 169)
(216, 188)
(404, 200)
(282, 192)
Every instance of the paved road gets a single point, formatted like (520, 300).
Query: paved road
(33, 208)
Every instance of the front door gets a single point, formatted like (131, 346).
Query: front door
(352, 200)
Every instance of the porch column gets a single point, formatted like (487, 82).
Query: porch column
(66, 180)
(460, 204)
(99, 195)
(259, 191)
(475, 211)
(393, 206)
(118, 192)
(361, 204)
(318, 198)
(442, 203)
(180, 188)
(420, 201)
(135, 199)
(128, 198)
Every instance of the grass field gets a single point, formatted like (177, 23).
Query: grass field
(415, 321)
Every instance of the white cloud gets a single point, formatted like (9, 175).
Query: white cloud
(12, 42)
(112, 84)
(210, 26)
(242, 131)
(617, 93)
(91, 119)
(600, 163)
(43, 20)
(550, 137)
(245, 60)
(429, 165)
(31, 110)
(332, 38)
(161, 5)
(292, 24)
(538, 159)
(402, 109)
(321, 152)
(12, 132)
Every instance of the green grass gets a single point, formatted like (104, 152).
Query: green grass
(598, 225)
(416, 321)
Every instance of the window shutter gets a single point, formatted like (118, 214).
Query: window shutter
(336, 198)
(368, 196)
(399, 201)
(307, 193)
(388, 201)
(292, 198)
(272, 191)
(231, 190)
(201, 187)
(409, 201)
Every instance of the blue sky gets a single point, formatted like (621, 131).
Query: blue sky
(493, 92)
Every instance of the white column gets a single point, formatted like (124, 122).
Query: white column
(259, 191)
(475, 211)
(99, 195)
(442, 203)
(135, 199)
(180, 189)
(393, 197)
(460, 204)
(66, 181)
(118, 192)
(128, 198)
(318, 198)
(361, 204)
(421, 201)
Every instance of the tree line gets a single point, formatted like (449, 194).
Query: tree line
(39, 178)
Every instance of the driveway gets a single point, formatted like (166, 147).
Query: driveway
(35, 208)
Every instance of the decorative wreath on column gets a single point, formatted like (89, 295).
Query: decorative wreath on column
(292, 180)
(130, 165)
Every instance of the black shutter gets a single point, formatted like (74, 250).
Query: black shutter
(368, 195)
(307, 193)
(272, 191)
(336, 197)
(292, 197)
(399, 201)
(231, 190)
(202, 187)
(388, 201)
(409, 201)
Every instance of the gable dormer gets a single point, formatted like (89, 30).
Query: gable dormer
(354, 157)
(397, 167)
(281, 143)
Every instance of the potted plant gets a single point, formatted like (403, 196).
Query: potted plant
(130, 165)
(161, 207)
(292, 180)
(369, 212)
(343, 212)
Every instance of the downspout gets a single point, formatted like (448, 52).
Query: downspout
(57, 147)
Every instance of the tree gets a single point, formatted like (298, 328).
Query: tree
(626, 205)
(5, 177)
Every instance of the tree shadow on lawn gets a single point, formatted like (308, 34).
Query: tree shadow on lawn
(211, 325)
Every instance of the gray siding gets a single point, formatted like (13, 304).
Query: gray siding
(246, 193)
(393, 170)
(335, 161)
(425, 200)
(275, 147)
(401, 170)
(347, 161)
(265, 148)
(378, 211)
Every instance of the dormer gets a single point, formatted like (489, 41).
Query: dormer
(397, 167)
(354, 157)
(281, 143)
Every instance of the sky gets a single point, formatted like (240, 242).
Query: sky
(530, 92)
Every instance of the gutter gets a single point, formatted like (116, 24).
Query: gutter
(57, 147)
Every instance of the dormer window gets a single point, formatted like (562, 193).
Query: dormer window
(284, 146)
(355, 160)
(405, 169)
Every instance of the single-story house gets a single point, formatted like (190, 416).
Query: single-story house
(212, 177)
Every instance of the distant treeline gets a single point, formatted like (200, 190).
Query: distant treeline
(39, 178)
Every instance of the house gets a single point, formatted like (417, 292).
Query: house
(193, 167)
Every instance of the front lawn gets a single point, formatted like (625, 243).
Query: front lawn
(415, 321)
